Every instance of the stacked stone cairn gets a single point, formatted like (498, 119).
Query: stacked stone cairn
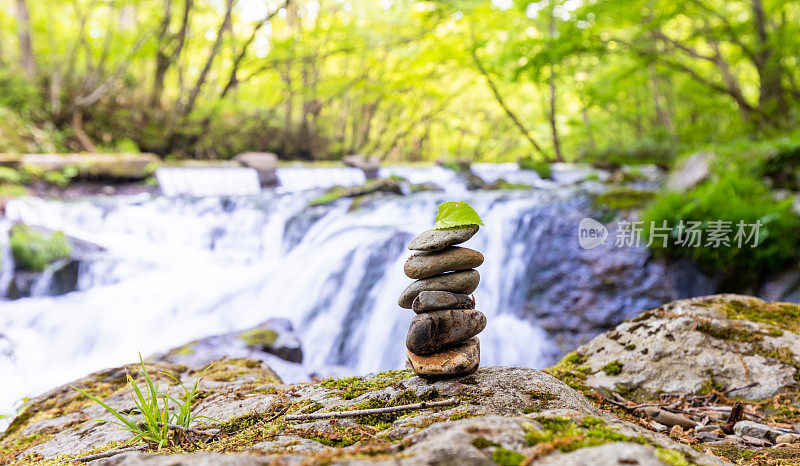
(441, 340)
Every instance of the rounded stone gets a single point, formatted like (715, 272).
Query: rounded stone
(458, 360)
(427, 301)
(432, 240)
(429, 264)
(432, 331)
(463, 282)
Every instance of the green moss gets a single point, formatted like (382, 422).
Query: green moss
(502, 184)
(630, 347)
(672, 457)
(34, 250)
(710, 385)
(779, 316)
(480, 443)
(227, 370)
(11, 176)
(613, 368)
(505, 457)
(591, 421)
(13, 190)
(729, 332)
(731, 452)
(572, 436)
(185, 350)
(624, 198)
(541, 395)
(353, 387)
(328, 197)
(461, 415)
(262, 337)
(542, 168)
(572, 370)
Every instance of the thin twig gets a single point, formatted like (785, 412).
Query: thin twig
(185, 429)
(753, 384)
(364, 412)
(109, 453)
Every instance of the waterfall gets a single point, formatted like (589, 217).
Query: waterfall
(293, 179)
(207, 181)
(178, 269)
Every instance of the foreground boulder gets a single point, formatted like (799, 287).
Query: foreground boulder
(503, 415)
(724, 342)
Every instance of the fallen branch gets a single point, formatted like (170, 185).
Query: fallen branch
(109, 453)
(187, 429)
(753, 384)
(365, 412)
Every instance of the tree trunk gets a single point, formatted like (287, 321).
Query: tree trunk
(553, 125)
(552, 83)
(663, 116)
(83, 138)
(771, 98)
(26, 59)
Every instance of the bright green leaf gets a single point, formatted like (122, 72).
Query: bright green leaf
(456, 214)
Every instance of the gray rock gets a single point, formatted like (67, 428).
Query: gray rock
(264, 163)
(463, 282)
(691, 172)
(271, 337)
(432, 331)
(194, 459)
(429, 264)
(458, 360)
(370, 166)
(756, 430)
(428, 301)
(787, 438)
(683, 345)
(707, 428)
(432, 240)
(612, 453)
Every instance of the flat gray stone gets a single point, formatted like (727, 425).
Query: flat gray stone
(432, 331)
(463, 282)
(429, 264)
(427, 301)
(756, 430)
(458, 360)
(432, 240)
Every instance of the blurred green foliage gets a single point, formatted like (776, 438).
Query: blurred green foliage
(731, 196)
(606, 82)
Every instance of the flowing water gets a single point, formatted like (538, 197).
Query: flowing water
(177, 269)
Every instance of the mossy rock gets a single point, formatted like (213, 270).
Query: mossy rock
(34, 250)
(261, 337)
(624, 198)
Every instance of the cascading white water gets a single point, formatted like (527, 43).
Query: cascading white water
(294, 179)
(207, 181)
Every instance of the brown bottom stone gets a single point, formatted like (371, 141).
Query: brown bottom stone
(458, 360)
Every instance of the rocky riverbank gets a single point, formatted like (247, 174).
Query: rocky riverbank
(699, 381)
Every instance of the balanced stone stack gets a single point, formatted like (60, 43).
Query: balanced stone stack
(441, 340)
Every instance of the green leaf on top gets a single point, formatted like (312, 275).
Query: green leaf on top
(456, 214)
